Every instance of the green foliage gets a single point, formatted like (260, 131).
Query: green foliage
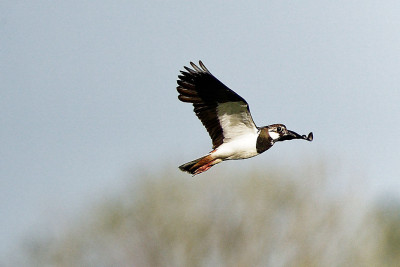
(274, 218)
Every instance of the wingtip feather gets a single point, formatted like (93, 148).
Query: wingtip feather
(203, 66)
(189, 99)
(195, 67)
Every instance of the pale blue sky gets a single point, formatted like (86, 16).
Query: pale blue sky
(88, 96)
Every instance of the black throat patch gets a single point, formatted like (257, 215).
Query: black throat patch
(264, 141)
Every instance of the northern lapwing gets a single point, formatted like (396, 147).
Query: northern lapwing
(227, 118)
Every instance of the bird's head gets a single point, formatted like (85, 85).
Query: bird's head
(278, 132)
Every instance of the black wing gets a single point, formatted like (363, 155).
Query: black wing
(224, 113)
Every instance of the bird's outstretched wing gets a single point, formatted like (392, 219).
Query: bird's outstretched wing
(224, 113)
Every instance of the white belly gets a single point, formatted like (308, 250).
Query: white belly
(238, 148)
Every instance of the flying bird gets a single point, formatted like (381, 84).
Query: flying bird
(227, 118)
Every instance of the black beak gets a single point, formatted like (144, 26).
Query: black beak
(292, 135)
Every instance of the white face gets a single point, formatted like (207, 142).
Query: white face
(274, 135)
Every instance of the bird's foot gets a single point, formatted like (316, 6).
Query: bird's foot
(202, 169)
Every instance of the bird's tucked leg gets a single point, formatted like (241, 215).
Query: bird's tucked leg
(202, 169)
(206, 167)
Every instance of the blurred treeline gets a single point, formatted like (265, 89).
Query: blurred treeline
(262, 218)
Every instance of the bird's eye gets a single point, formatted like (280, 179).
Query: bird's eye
(279, 129)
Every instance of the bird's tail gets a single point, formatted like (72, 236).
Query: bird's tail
(199, 165)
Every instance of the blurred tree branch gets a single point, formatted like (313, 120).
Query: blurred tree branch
(242, 219)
